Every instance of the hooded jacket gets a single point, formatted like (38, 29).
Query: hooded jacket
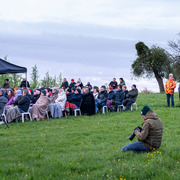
(152, 130)
(120, 94)
(170, 86)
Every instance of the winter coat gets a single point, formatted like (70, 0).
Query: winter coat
(23, 84)
(10, 101)
(69, 95)
(61, 100)
(170, 86)
(103, 95)
(72, 85)
(24, 103)
(111, 95)
(53, 97)
(122, 83)
(88, 104)
(152, 130)
(76, 99)
(113, 84)
(132, 95)
(3, 101)
(15, 103)
(6, 86)
(120, 95)
(64, 85)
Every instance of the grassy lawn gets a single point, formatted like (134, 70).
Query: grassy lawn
(90, 147)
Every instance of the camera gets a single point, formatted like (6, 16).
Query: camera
(131, 137)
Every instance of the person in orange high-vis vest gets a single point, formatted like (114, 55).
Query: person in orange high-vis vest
(169, 89)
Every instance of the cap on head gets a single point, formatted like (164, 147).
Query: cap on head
(44, 92)
(72, 80)
(110, 88)
(145, 110)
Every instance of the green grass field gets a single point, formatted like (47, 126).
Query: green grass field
(90, 147)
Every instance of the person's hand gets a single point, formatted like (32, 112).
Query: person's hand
(99, 102)
(136, 128)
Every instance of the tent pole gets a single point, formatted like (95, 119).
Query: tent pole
(26, 79)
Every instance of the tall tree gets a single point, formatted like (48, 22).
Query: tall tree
(154, 61)
(175, 47)
(34, 77)
(47, 82)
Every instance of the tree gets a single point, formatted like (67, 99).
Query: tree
(155, 62)
(175, 47)
(34, 77)
(47, 82)
(59, 80)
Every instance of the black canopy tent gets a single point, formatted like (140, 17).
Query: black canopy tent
(8, 68)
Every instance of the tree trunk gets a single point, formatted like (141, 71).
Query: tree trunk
(160, 82)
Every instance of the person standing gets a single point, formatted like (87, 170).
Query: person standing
(113, 83)
(6, 84)
(169, 90)
(23, 83)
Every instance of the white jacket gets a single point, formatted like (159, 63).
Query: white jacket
(61, 100)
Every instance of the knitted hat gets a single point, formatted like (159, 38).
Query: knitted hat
(144, 110)
(44, 92)
(72, 80)
(111, 88)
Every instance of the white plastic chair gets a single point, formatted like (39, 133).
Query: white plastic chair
(26, 113)
(77, 110)
(104, 109)
(120, 107)
(46, 114)
(132, 106)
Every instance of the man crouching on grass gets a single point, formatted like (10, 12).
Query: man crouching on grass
(149, 136)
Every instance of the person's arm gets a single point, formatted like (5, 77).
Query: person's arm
(105, 98)
(22, 101)
(132, 93)
(174, 85)
(142, 136)
(10, 101)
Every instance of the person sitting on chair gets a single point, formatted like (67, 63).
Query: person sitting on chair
(110, 99)
(101, 99)
(120, 94)
(74, 102)
(131, 97)
(3, 101)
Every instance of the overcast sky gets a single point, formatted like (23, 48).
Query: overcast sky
(91, 39)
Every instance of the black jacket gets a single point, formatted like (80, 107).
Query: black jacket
(132, 95)
(72, 85)
(111, 95)
(103, 95)
(69, 95)
(76, 99)
(88, 104)
(120, 95)
(15, 103)
(113, 84)
(64, 84)
(35, 98)
(23, 84)
(24, 103)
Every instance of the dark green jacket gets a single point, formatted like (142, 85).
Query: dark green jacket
(132, 95)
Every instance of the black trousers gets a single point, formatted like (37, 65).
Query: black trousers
(128, 104)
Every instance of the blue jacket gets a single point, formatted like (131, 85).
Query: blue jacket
(76, 99)
(24, 103)
(120, 95)
(111, 95)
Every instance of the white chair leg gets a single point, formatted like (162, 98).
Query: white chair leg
(30, 116)
(22, 118)
(136, 107)
(75, 113)
(80, 112)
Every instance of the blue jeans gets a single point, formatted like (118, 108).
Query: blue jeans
(168, 96)
(97, 105)
(137, 147)
(21, 111)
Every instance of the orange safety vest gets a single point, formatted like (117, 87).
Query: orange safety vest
(170, 86)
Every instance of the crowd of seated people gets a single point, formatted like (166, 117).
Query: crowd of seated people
(64, 100)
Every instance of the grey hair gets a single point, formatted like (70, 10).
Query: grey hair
(171, 74)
